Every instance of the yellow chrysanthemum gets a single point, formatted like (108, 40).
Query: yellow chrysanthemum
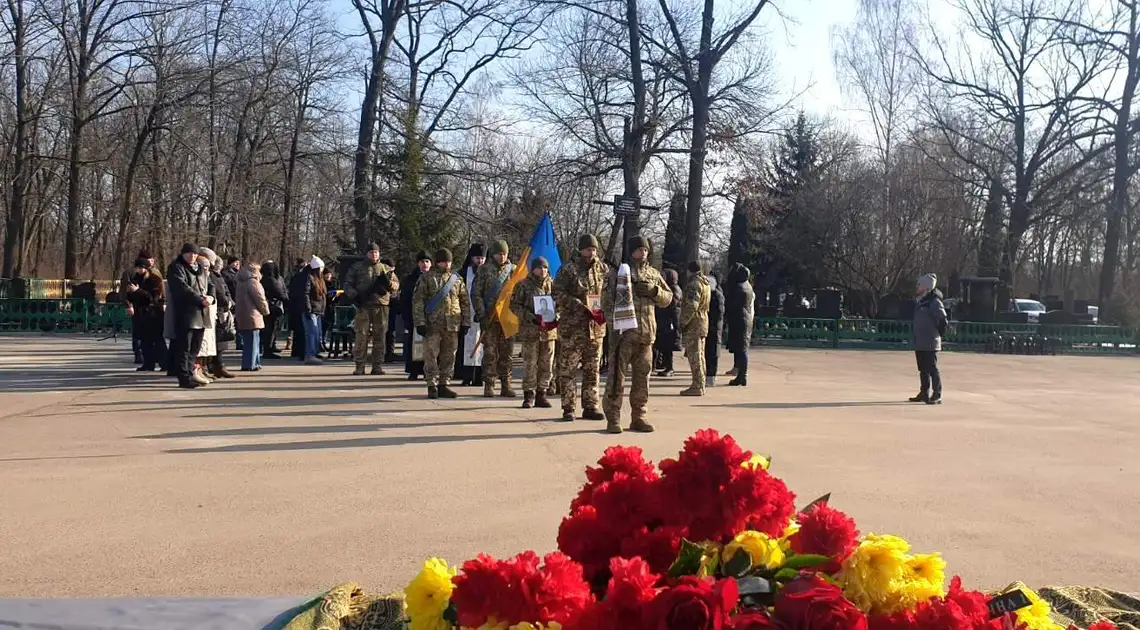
(881, 577)
(1036, 615)
(789, 531)
(761, 549)
(428, 595)
(758, 461)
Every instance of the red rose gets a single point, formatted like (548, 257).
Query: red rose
(751, 620)
(694, 604)
(811, 603)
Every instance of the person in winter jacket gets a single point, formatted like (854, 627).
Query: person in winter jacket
(190, 301)
(278, 299)
(695, 326)
(440, 305)
(577, 292)
(929, 327)
(124, 288)
(298, 296)
(668, 327)
(224, 331)
(413, 368)
(369, 287)
(469, 374)
(313, 302)
(740, 306)
(498, 350)
(537, 333)
(230, 273)
(716, 330)
(145, 301)
(250, 310)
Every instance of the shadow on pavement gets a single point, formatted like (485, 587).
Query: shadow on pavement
(369, 442)
(327, 428)
(810, 405)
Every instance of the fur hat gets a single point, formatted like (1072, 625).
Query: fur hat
(423, 255)
(475, 250)
(372, 247)
(588, 240)
(539, 261)
(928, 282)
(497, 247)
(442, 254)
(190, 248)
(637, 242)
(694, 267)
(209, 254)
(316, 263)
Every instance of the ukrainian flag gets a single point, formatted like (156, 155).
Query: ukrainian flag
(542, 243)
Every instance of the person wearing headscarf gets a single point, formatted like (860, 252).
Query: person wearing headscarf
(716, 329)
(225, 333)
(668, 326)
(930, 325)
(412, 367)
(278, 298)
(468, 362)
(740, 305)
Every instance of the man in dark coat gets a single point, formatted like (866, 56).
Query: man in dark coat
(740, 305)
(224, 331)
(298, 298)
(145, 300)
(407, 291)
(188, 298)
(278, 300)
(929, 327)
(716, 329)
(668, 326)
(230, 273)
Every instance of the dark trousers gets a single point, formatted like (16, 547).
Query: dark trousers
(269, 335)
(712, 356)
(928, 375)
(390, 339)
(740, 362)
(184, 351)
(297, 325)
(153, 349)
(137, 344)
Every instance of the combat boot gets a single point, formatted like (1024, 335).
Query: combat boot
(447, 392)
(378, 370)
(433, 391)
(488, 390)
(528, 399)
(359, 371)
(693, 391)
(567, 415)
(640, 426)
(541, 401)
(506, 391)
(739, 381)
(920, 398)
(592, 414)
(613, 425)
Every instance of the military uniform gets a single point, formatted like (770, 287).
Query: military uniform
(440, 325)
(632, 350)
(369, 286)
(537, 339)
(498, 350)
(695, 327)
(581, 336)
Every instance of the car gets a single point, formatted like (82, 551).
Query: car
(1094, 313)
(1032, 308)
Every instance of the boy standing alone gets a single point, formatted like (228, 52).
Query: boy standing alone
(929, 326)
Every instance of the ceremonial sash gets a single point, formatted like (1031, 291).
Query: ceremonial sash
(497, 286)
(438, 298)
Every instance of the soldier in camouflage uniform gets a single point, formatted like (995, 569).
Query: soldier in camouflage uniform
(632, 350)
(498, 351)
(582, 330)
(695, 326)
(536, 334)
(439, 307)
(369, 286)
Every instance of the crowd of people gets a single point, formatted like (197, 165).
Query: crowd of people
(625, 320)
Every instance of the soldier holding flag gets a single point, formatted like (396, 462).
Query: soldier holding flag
(498, 350)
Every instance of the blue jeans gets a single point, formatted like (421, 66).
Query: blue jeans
(250, 349)
(312, 334)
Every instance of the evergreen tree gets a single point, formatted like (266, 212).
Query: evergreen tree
(673, 254)
(741, 241)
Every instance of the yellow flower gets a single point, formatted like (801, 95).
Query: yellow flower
(759, 461)
(881, 577)
(428, 595)
(1036, 615)
(762, 550)
(789, 531)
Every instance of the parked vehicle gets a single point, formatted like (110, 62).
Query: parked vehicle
(1031, 307)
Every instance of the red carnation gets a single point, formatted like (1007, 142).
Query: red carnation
(629, 594)
(811, 603)
(1103, 625)
(627, 460)
(826, 531)
(751, 620)
(518, 590)
(694, 604)
(959, 610)
(659, 547)
(560, 592)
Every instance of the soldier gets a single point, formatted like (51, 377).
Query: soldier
(583, 328)
(497, 349)
(439, 307)
(632, 349)
(537, 334)
(369, 286)
(695, 326)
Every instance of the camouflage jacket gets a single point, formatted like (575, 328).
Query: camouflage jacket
(453, 309)
(575, 280)
(485, 294)
(695, 307)
(362, 281)
(662, 296)
(522, 305)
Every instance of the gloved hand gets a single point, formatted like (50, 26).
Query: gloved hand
(421, 331)
(598, 317)
(550, 325)
(538, 320)
(643, 289)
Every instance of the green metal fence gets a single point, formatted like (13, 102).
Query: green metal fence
(969, 336)
(69, 315)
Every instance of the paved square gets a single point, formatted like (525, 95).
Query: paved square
(297, 478)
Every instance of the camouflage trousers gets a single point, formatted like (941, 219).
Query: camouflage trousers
(538, 361)
(370, 325)
(695, 350)
(498, 351)
(439, 357)
(628, 355)
(579, 354)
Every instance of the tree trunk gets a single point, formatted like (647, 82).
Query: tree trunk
(699, 97)
(14, 228)
(71, 236)
(291, 169)
(361, 173)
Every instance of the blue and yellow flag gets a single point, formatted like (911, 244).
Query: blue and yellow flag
(542, 243)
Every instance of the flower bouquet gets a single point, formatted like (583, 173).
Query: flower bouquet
(709, 541)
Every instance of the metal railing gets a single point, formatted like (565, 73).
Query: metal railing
(67, 315)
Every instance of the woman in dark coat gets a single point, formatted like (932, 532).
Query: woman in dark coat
(145, 303)
(716, 329)
(740, 305)
(278, 300)
(407, 288)
(313, 306)
(668, 327)
(298, 295)
(469, 374)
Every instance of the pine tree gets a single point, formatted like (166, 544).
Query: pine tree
(673, 254)
(741, 243)
(795, 165)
